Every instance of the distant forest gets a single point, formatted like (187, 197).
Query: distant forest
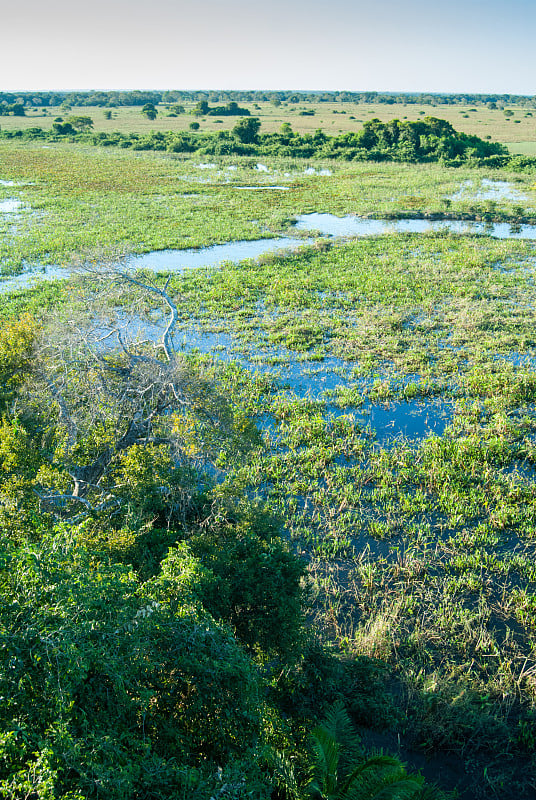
(140, 98)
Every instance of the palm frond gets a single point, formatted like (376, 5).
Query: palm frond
(340, 726)
(325, 773)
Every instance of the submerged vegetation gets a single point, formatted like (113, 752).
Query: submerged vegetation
(261, 520)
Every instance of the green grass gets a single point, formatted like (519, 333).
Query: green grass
(331, 117)
(421, 552)
(86, 200)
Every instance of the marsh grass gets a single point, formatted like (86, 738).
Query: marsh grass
(77, 199)
(421, 549)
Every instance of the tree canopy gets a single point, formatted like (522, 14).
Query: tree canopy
(425, 141)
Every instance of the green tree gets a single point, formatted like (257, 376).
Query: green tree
(149, 111)
(110, 688)
(17, 343)
(247, 130)
(241, 571)
(80, 123)
(201, 108)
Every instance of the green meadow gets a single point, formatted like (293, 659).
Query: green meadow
(381, 415)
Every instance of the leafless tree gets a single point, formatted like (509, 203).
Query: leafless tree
(107, 393)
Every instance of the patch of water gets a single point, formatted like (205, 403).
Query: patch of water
(207, 166)
(262, 168)
(9, 206)
(408, 419)
(328, 224)
(527, 360)
(389, 423)
(16, 183)
(174, 260)
(331, 225)
(30, 279)
(313, 171)
(489, 190)
(280, 188)
(220, 343)
(182, 260)
(305, 379)
(310, 379)
(519, 471)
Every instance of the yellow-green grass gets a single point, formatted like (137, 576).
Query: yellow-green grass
(523, 148)
(334, 118)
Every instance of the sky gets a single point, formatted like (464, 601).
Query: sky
(481, 46)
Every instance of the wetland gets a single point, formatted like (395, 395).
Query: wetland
(377, 361)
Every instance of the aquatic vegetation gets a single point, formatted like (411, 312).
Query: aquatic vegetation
(387, 391)
(88, 200)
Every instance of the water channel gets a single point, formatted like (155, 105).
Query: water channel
(388, 422)
(324, 225)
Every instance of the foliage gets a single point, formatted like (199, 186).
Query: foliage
(12, 109)
(428, 140)
(231, 109)
(246, 130)
(121, 423)
(105, 684)
(80, 122)
(17, 340)
(138, 98)
(149, 111)
(340, 770)
(238, 568)
(123, 683)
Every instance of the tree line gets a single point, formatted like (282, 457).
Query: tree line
(139, 98)
(425, 141)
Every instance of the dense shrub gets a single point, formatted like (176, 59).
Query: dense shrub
(427, 140)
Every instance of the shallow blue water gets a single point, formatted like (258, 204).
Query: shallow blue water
(350, 225)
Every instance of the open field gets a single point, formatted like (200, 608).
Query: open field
(333, 118)
(392, 384)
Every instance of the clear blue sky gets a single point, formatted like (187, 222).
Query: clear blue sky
(387, 45)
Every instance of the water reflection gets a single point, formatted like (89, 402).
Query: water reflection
(9, 206)
(331, 225)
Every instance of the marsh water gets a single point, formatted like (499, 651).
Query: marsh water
(350, 225)
(323, 225)
(488, 190)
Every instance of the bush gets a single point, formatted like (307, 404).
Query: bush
(106, 683)
(242, 573)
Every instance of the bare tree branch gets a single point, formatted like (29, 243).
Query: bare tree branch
(109, 400)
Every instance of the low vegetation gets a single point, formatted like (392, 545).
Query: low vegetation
(268, 528)
(431, 140)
